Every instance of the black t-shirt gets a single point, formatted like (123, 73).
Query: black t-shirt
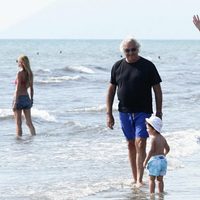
(134, 82)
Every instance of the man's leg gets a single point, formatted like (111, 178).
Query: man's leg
(140, 144)
(128, 129)
(132, 158)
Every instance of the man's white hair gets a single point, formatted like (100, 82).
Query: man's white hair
(127, 40)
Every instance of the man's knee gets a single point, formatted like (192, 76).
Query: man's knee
(131, 145)
(141, 144)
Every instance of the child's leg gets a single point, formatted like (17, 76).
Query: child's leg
(160, 184)
(152, 184)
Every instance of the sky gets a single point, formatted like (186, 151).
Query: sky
(98, 19)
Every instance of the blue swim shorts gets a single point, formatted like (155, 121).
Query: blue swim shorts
(23, 102)
(157, 165)
(133, 124)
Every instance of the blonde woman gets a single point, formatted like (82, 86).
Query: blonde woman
(22, 100)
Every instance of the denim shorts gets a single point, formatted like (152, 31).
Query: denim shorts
(133, 125)
(23, 102)
(157, 165)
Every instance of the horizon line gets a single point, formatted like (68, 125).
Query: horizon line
(166, 39)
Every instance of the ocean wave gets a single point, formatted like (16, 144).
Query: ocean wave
(182, 144)
(99, 108)
(58, 79)
(42, 71)
(80, 126)
(63, 189)
(100, 68)
(86, 190)
(6, 114)
(43, 114)
(80, 69)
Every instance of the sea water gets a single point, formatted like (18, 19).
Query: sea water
(74, 155)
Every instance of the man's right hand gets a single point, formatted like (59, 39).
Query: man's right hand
(110, 121)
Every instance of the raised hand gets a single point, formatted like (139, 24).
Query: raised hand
(196, 21)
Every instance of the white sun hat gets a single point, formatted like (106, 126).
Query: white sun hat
(155, 122)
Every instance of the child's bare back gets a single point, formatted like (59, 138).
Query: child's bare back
(160, 145)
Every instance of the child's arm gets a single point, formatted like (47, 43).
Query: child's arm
(166, 148)
(150, 153)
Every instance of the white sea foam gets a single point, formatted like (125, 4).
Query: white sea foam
(85, 190)
(67, 190)
(43, 114)
(183, 144)
(42, 71)
(99, 108)
(91, 109)
(58, 79)
(73, 123)
(6, 113)
(81, 69)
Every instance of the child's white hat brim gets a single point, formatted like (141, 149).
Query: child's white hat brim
(155, 122)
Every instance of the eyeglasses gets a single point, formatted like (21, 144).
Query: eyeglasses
(130, 50)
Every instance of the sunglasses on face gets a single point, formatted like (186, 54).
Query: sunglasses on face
(130, 50)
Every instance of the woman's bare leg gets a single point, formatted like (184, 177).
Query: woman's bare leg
(27, 114)
(18, 120)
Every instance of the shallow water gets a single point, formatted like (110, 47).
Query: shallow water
(74, 155)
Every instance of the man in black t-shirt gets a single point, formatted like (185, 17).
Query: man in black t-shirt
(134, 77)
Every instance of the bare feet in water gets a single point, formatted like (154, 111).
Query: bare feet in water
(140, 184)
(18, 137)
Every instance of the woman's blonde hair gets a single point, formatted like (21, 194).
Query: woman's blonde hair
(127, 40)
(27, 68)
